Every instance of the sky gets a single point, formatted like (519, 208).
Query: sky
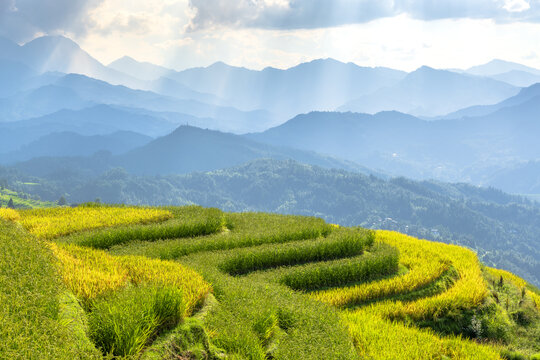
(402, 34)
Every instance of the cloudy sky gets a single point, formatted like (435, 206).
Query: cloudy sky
(403, 34)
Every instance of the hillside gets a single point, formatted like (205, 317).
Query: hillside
(501, 227)
(67, 143)
(523, 96)
(189, 149)
(249, 286)
(95, 120)
(464, 150)
(21, 200)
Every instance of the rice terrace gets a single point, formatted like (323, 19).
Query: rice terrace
(101, 281)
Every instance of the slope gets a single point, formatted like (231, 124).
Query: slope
(449, 150)
(72, 144)
(189, 149)
(96, 120)
(431, 92)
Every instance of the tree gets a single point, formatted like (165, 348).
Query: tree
(10, 204)
(62, 201)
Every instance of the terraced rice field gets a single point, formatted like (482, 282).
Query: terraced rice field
(369, 278)
(266, 286)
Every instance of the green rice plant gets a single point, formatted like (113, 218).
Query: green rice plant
(340, 244)
(247, 230)
(383, 260)
(123, 323)
(426, 262)
(32, 322)
(189, 221)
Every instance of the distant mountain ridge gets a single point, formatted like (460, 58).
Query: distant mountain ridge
(467, 149)
(67, 143)
(58, 53)
(497, 67)
(524, 95)
(96, 120)
(430, 92)
(189, 149)
(320, 84)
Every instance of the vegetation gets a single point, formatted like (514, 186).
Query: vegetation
(338, 245)
(21, 200)
(90, 274)
(502, 228)
(52, 223)
(189, 221)
(32, 310)
(379, 262)
(123, 323)
(263, 286)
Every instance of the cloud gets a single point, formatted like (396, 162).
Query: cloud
(21, 20)
(286, 14)
(309, 14)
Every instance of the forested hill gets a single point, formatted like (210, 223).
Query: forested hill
(502, 228)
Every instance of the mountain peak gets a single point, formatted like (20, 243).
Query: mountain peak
(425, 68)
(123, 60)
(55, 40)
(498, 66)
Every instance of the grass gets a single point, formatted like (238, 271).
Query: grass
(286, 287)
(91, 274)
(61, 221)
(22, 200)
(246, 230)
(375, 338)
(188, 222)
(340, 244)
(123, 323)
(380, 261)
(10, 215)
(425, 262)
(30, 293)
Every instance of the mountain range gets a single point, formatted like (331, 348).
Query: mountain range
(466, 149)
(453, 125)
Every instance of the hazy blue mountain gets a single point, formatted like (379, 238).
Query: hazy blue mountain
(524, 95)
(75, 91)
(497, 66)
(401, 144)
(102, 92)
(97, 120)
(522, 178)
(431, 92)
(37, 102)
(169, 87)
(137, 69)
(58, 53)
(156, 80)
(189, 149)
(72, 144)
(13, 76)
(320, 84)
(518, 78)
